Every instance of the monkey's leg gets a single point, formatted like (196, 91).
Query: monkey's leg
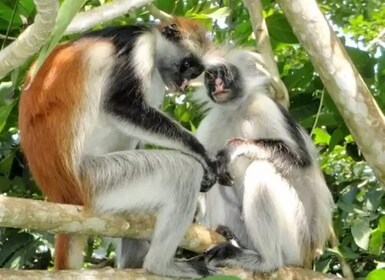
(131, 252)
(271, 210)
(166, 182)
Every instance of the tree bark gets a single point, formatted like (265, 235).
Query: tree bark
(288, 273)
(62, 218)
(352, 97)
(32, 39)
(264, 48)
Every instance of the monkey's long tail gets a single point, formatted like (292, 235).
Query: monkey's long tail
(69, 251)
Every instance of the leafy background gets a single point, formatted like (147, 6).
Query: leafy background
(359, 218)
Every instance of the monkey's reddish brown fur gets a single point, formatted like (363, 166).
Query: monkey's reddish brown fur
(48, 107)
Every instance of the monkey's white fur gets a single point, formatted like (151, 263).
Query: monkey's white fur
(123, 180)
(280, 214)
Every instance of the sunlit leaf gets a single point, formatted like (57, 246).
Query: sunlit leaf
(378, 274)
(361, 233)
(381, 224)
(376, 242)
(321, 136)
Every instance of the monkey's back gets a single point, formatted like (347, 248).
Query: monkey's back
(47, 115)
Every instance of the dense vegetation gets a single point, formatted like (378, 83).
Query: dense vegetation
(359, 216)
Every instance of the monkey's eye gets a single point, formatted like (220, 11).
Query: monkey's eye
(209, 75)
(186, 64)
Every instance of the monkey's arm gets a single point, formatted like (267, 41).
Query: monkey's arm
(151, 125)
(275, 151)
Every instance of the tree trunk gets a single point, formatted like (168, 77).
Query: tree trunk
(352, 97)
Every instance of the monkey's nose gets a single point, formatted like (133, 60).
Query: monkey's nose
(219, 85)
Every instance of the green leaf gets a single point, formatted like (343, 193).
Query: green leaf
(5, 110)
(376, 242)
(300, 78)
(378, 274)
(6, 92)
(280, 29)
(361, 233)
(363, 61)
(12, 244)
(338, 136)
(321, 136)
(381, 224)
(5, 183)
(6, 164)
(345, 252)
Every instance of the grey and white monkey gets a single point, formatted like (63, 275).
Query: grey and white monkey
(84, 111)
(279, 207)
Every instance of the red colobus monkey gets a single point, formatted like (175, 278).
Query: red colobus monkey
(279, 207)
(85, 110)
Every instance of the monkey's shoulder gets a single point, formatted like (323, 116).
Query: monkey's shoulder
(123, 37)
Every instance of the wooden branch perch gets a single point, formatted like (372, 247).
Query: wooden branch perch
(264, 48)
(288, 273)
(85, 20)
(352, 97)
(32, 39)
(60, 218)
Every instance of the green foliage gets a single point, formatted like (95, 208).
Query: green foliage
(359, 216)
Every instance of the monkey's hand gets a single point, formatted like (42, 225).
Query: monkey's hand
(224, 176)
(172, 33)
(210, 177)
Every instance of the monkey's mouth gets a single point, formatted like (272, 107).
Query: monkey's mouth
(221, 96)
(174, 87)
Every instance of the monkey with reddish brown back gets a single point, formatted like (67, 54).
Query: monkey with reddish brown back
(84, 112)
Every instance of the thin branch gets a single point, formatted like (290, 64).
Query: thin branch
(85, 20)
(31, 40)
(376, 40)
(264, 47)
(158, 13)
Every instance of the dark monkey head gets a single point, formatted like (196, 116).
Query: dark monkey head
(224, 83)
(180, 61)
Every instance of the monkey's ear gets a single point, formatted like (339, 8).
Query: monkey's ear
(172, 33)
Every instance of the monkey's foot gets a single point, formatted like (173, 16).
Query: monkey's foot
(225, 232)
(219, 253)
(182, 269)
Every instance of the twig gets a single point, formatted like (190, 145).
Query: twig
(85, 20)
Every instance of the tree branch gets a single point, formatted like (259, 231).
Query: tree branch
(349, 92)
(32, 39)
(264, 48)
(85, 20)
(288, 273)
(60, 218)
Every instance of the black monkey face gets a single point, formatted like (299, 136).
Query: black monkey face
(177, 75)
(223, 83)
